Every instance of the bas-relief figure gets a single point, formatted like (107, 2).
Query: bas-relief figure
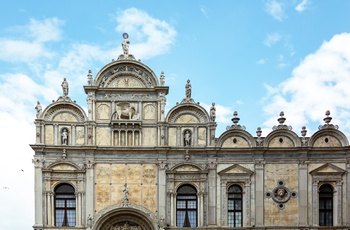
(103, 111)
(149, 112)
(125, 110)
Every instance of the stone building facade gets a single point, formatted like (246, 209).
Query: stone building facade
(126, 164)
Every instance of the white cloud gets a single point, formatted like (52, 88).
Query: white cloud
(45, 30)
(155, 36)
(321, 82)
(204, 11)
(261, 62)
(271, 39)
(275, 9)
(302, 5)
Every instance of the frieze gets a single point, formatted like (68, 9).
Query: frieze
(126, 97)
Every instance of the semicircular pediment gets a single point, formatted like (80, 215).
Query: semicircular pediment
(187, 114)
(328, 138)
(282, 138)
(236, 138)
(126, 74)
(64, 113)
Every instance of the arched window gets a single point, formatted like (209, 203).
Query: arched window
(186, 207)
(326, 205)
(234, 207)
(65, 206)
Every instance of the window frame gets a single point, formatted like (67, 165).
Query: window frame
(231, 197)
(66, 197)
(182, 197)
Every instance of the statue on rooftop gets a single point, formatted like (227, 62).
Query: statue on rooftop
(188, 89)
(212, 112)
(125, 44)
(38, 109)
(65, 87)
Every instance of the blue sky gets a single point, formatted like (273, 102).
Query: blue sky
(255, 57)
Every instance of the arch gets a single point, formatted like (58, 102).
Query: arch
(118, 214)
(126, 68)
(194, 112)
(186, 206)
(282, 138)
(65, 205)
(335, 138)
(54, 165)
(68, 110)
(185, 165)
(229, 135)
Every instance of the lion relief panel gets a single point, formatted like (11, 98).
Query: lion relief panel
(126, 111)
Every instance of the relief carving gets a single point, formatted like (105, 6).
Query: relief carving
(127, 111)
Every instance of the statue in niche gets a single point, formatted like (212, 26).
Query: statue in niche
(125, 44)
(212, 112)
(64, 137)
(187, 138)
(188, 89)
(65, 87)
(38, 109)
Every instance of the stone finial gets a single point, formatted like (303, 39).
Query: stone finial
(235, 119)
(125, 44)
(303, 131)
(258, 132)
(89, 77)
(282, 119)
(162, 79)
(327, 119)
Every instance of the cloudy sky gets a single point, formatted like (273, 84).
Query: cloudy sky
(256, 57)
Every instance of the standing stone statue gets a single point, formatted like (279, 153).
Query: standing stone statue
(65, 87)
(125, 44)
(212, 112)
(188, 89)
(64, 137)
(162, 79)
(38, 109)
(187, 138)
(126, 193)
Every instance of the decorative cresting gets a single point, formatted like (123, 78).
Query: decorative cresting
(281, 194)
(119, 217)
(328, 135)
(282, 135)
(235, 136)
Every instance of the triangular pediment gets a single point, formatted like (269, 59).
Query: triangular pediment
(236, 170)
(327, 169)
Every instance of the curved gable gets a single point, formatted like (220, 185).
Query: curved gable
(64, 112)
(188, 114)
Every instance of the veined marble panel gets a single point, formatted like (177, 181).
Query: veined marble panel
(103, 136)
(49, 134)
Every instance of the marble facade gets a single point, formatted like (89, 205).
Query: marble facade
(127, 159)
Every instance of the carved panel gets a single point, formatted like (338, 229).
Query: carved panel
(79, 136)
(235, 142)
(202, 136)
(186, 118)
(49, 135)
(103, 111)
(149, 137)
(126, 82)
(65, 117)
(63, 167)
(103, 136)
(327, 141)
(149, 111)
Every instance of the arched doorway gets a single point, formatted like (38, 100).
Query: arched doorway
(125, 218)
